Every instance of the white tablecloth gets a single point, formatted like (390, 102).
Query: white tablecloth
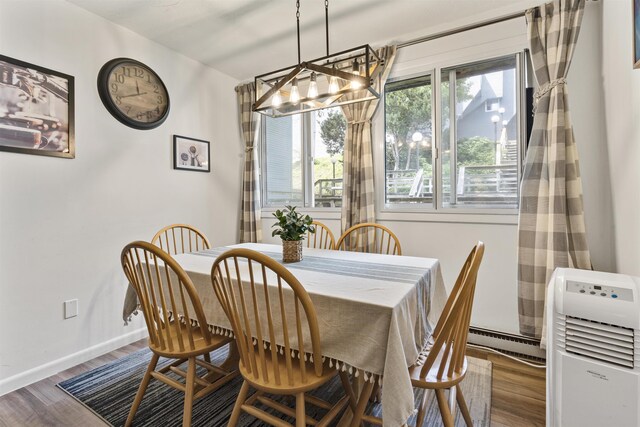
(375, 312)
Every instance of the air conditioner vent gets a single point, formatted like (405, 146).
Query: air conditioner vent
(600, 341)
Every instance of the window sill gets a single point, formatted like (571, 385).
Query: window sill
(468, 216)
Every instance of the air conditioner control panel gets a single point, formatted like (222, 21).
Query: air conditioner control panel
(599, 290)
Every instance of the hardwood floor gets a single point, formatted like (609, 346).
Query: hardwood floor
(44, 404)
(518, 392)
(518, 395)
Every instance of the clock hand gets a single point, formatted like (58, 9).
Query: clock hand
(137, 88)
(133, 94)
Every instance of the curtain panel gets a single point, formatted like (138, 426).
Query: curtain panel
(551, 228)
(358, 203)
(250, 222)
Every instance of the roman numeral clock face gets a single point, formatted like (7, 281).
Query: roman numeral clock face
(133, 93)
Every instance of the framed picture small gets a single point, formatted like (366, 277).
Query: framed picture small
(36, 110)
(636, 33)
(191, 154)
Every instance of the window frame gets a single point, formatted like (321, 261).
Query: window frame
(262, 172)
(387, 211)
(435, 149)
(307, 155)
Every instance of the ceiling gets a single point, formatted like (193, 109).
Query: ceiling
(243, 38)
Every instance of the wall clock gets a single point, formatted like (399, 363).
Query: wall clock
(133, 93)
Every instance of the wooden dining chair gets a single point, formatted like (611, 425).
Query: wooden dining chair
(266, 304)
(322, 238)
(446, 363)
(369, 237)
(180, 238)
(176, 323)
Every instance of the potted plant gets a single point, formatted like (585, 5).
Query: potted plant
(292, 227)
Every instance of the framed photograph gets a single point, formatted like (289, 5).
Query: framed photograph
(191, 154)
(636, 33)
(36, 110)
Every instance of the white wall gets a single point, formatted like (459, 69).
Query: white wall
(622, 112)
(64, 222)
(449, 237)
(586, 102)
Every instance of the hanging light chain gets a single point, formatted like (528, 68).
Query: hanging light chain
(326, 20)
(298, 24)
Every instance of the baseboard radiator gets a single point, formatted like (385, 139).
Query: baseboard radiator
(515, 345)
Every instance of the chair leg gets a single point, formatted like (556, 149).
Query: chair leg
(452, 402)
(142, 389)
(376, 393)
(422, 410)
(237, 408)
(207, 357)
(447, 419)
(189, 391)
(344, 378)
(362, 403)
(463, 407)
(301, 415)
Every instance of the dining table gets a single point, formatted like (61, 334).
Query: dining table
(375, 312)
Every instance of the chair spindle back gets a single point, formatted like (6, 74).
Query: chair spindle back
(371, 238)
(167, 297)
(266, 305)
(180, 238)
(452, 330)
(322, 238)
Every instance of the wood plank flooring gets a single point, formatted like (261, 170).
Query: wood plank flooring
(44, 404)
(518, 395)
(518, 392)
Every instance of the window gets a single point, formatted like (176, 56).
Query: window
(283, 148)
(302, 159)
(478, 137)
(409, 144)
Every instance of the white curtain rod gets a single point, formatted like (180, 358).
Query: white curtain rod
(462, 29)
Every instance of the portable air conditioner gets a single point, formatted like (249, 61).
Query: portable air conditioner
(593, 349)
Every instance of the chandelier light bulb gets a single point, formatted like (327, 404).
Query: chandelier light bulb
(355, 69)
(295, 94)
(276, 101)
(313, 86)
(355, 84)
(333, 83)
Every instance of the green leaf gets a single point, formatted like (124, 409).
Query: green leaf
(291, 224)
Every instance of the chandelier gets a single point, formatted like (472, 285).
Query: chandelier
(336, 79)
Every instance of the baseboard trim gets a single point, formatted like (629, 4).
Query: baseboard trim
(516, 345)
(41, 372)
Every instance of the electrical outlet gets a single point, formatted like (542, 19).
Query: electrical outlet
(70, 308)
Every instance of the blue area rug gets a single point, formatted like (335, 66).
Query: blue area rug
(109, 391)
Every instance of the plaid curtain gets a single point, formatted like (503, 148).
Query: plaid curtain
(250, 223)
(551, 230)
(358, 189)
